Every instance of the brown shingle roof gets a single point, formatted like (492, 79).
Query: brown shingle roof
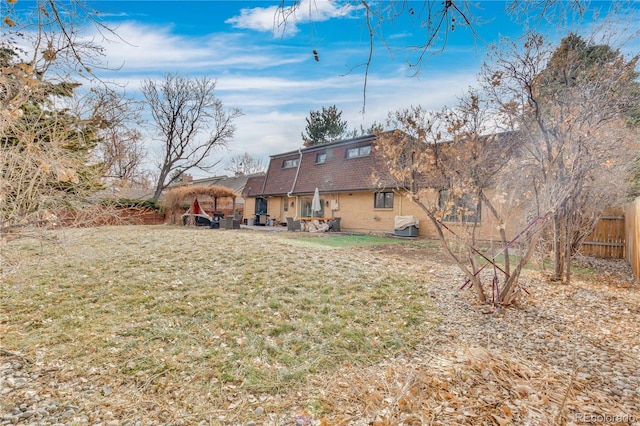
(337, 173)
(253, 186)
(279, 180)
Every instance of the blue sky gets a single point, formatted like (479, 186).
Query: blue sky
(271, 75)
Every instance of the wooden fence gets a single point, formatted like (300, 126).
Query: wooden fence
(632, 232)
(608, 238)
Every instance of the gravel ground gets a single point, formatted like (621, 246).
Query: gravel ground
(565, 355)
(588, 331)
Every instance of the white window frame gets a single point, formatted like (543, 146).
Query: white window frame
(357, 152)
(290, 163)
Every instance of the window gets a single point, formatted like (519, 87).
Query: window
(285, 204)
(383, 200)
(361, 151)
(305, 207)
(287, 164)
(321, 158)
(464, 209)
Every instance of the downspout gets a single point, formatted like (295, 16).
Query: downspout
(295, 179)
(264, 184)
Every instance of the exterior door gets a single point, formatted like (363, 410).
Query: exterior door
(305, 207)
(261, 206)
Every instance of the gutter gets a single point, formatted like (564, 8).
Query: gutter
(295, 180)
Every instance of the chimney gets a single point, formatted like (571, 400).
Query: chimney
(187, 178)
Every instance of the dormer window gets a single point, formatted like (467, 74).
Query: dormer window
(288, 164)
(361, 151)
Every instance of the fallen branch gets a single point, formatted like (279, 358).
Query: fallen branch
(16, 355)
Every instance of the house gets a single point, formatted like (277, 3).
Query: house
(354, 185)
(347, 175)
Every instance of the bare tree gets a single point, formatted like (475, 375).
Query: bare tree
(571, 151)
(245, 164)
(190, 122)
(53, 31)
(373, 129)
(451, 168)
(47, 36)
(434, 21)
(119, 150)
(571, 106)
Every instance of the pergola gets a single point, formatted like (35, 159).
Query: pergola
(178, 196)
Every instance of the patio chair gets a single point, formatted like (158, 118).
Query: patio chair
(231, 223)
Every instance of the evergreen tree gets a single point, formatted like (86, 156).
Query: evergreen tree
(373, 129)
(577, 63)
(324, 126)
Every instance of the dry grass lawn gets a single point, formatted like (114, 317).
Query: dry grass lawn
(194, 324)
(172, 325)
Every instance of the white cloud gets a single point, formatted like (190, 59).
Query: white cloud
(103, 15)
(284, 21)
(156, 48)
(273, 126)
(272, 85)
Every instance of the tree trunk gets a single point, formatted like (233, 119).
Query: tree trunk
(474, 279)
(503, 233)
(477, 286)
(509, 290)
(559, 245)
(159, 185)
(568, 253)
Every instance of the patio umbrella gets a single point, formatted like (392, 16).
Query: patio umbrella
(315, 204)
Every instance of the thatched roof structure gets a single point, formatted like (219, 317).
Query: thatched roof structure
(180, 195)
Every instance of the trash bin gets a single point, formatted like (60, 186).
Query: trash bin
(250, 221)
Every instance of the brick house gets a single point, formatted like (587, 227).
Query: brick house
(353, 182)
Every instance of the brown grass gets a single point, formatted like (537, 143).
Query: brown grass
(220, 321)
(163, 324)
